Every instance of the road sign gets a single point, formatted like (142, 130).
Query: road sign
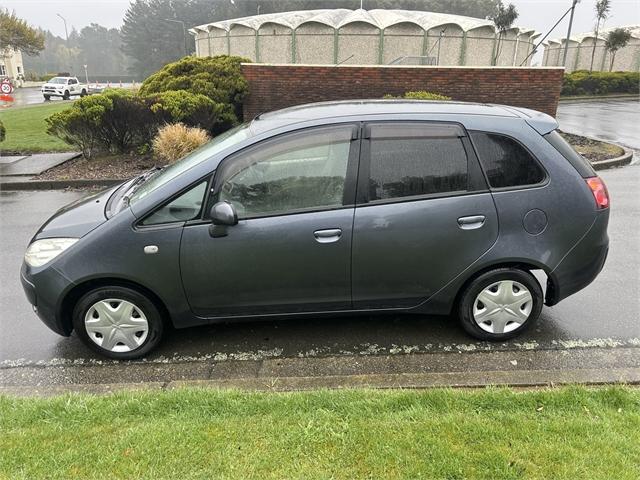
(6, 87)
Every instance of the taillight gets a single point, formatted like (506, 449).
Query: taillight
(599, 190)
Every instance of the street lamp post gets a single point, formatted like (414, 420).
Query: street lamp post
(566, 42)
(184, 32)
(66, 32)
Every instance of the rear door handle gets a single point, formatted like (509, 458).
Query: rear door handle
(329, 235)
(471, 222)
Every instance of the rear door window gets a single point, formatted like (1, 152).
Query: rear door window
(505, 161)
(408, 160)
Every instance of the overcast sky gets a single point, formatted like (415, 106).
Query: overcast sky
(538, 14)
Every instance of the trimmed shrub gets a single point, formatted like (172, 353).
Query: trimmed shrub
(175, 141)
(117, 121)
(218, 78)
(581, 82)
(3, 132)
(421, 95)
(194, 110)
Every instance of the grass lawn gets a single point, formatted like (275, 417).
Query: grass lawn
(567, 433)
(26, 129)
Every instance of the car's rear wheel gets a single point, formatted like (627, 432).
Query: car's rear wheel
(83, 93)
(118, 322)
(500, 304)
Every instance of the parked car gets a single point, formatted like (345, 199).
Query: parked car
(331, 209)
(64, 87)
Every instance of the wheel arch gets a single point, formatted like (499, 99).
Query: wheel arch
(525, 265)
(70, 299)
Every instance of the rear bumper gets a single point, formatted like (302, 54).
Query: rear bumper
(43, 290)
(582, 264)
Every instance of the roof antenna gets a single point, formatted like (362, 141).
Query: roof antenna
(361, 4)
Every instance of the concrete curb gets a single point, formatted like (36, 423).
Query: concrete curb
(515, 379)
(58, 184)
(622, 160)
(521, 369)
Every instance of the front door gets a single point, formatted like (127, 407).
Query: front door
(291, 250)
(424, 213)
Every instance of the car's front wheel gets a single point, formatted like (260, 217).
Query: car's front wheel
(500, 304)
(47, 97)
(118, 322)
(66, 95)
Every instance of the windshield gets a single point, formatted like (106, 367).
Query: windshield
(222, 141)
(57, 80)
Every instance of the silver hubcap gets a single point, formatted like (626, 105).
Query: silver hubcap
(502, 307)
(116, 325)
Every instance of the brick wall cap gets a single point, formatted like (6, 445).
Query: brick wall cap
(425, 67)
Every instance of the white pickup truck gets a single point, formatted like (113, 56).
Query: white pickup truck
(64, 87)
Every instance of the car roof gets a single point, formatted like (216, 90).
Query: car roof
(350, 108)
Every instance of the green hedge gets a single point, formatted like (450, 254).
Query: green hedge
(3, 132)
(120, 121)
(421, 95)
(218, 78)
(581, 82)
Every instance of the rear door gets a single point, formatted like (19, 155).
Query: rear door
(424, 212)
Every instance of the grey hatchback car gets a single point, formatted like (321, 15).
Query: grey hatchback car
(331, 209)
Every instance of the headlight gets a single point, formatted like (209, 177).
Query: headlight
(43, 251)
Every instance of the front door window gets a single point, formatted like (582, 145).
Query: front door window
(302, 172)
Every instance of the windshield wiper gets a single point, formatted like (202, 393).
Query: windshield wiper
(137, 182)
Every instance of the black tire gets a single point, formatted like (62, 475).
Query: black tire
(154, 320)
(83, 93)
(66, 95)
(477, 285)
(47, 97)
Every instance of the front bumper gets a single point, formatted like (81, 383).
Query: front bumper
(45, 288)
(582, 264)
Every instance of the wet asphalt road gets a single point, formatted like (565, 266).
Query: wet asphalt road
(607, 313)
(608, 309)
(613, 120)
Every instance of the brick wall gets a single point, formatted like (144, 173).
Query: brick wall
(278, 86)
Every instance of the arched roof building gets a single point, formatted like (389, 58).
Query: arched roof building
(365, 37)
(581, 49)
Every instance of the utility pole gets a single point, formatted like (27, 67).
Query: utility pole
(184, 32)
(566, 42)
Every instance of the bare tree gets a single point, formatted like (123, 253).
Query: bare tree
(602, 12)
(503, 21)
(616, 39)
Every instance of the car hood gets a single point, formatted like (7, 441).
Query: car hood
(78, 218)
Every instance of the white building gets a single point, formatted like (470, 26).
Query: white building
(581, 48)
(373, 37)
(11, 64)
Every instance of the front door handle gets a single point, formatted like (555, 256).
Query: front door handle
(471, 222)
(329, 235)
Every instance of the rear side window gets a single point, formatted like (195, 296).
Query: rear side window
(574, 158)
(505, 161)
(410, 160)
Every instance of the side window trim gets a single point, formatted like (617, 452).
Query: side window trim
(350, 177)
(543, 182)
(476, 182)
(138, 224)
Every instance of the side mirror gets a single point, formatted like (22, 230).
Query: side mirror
(223, 215)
